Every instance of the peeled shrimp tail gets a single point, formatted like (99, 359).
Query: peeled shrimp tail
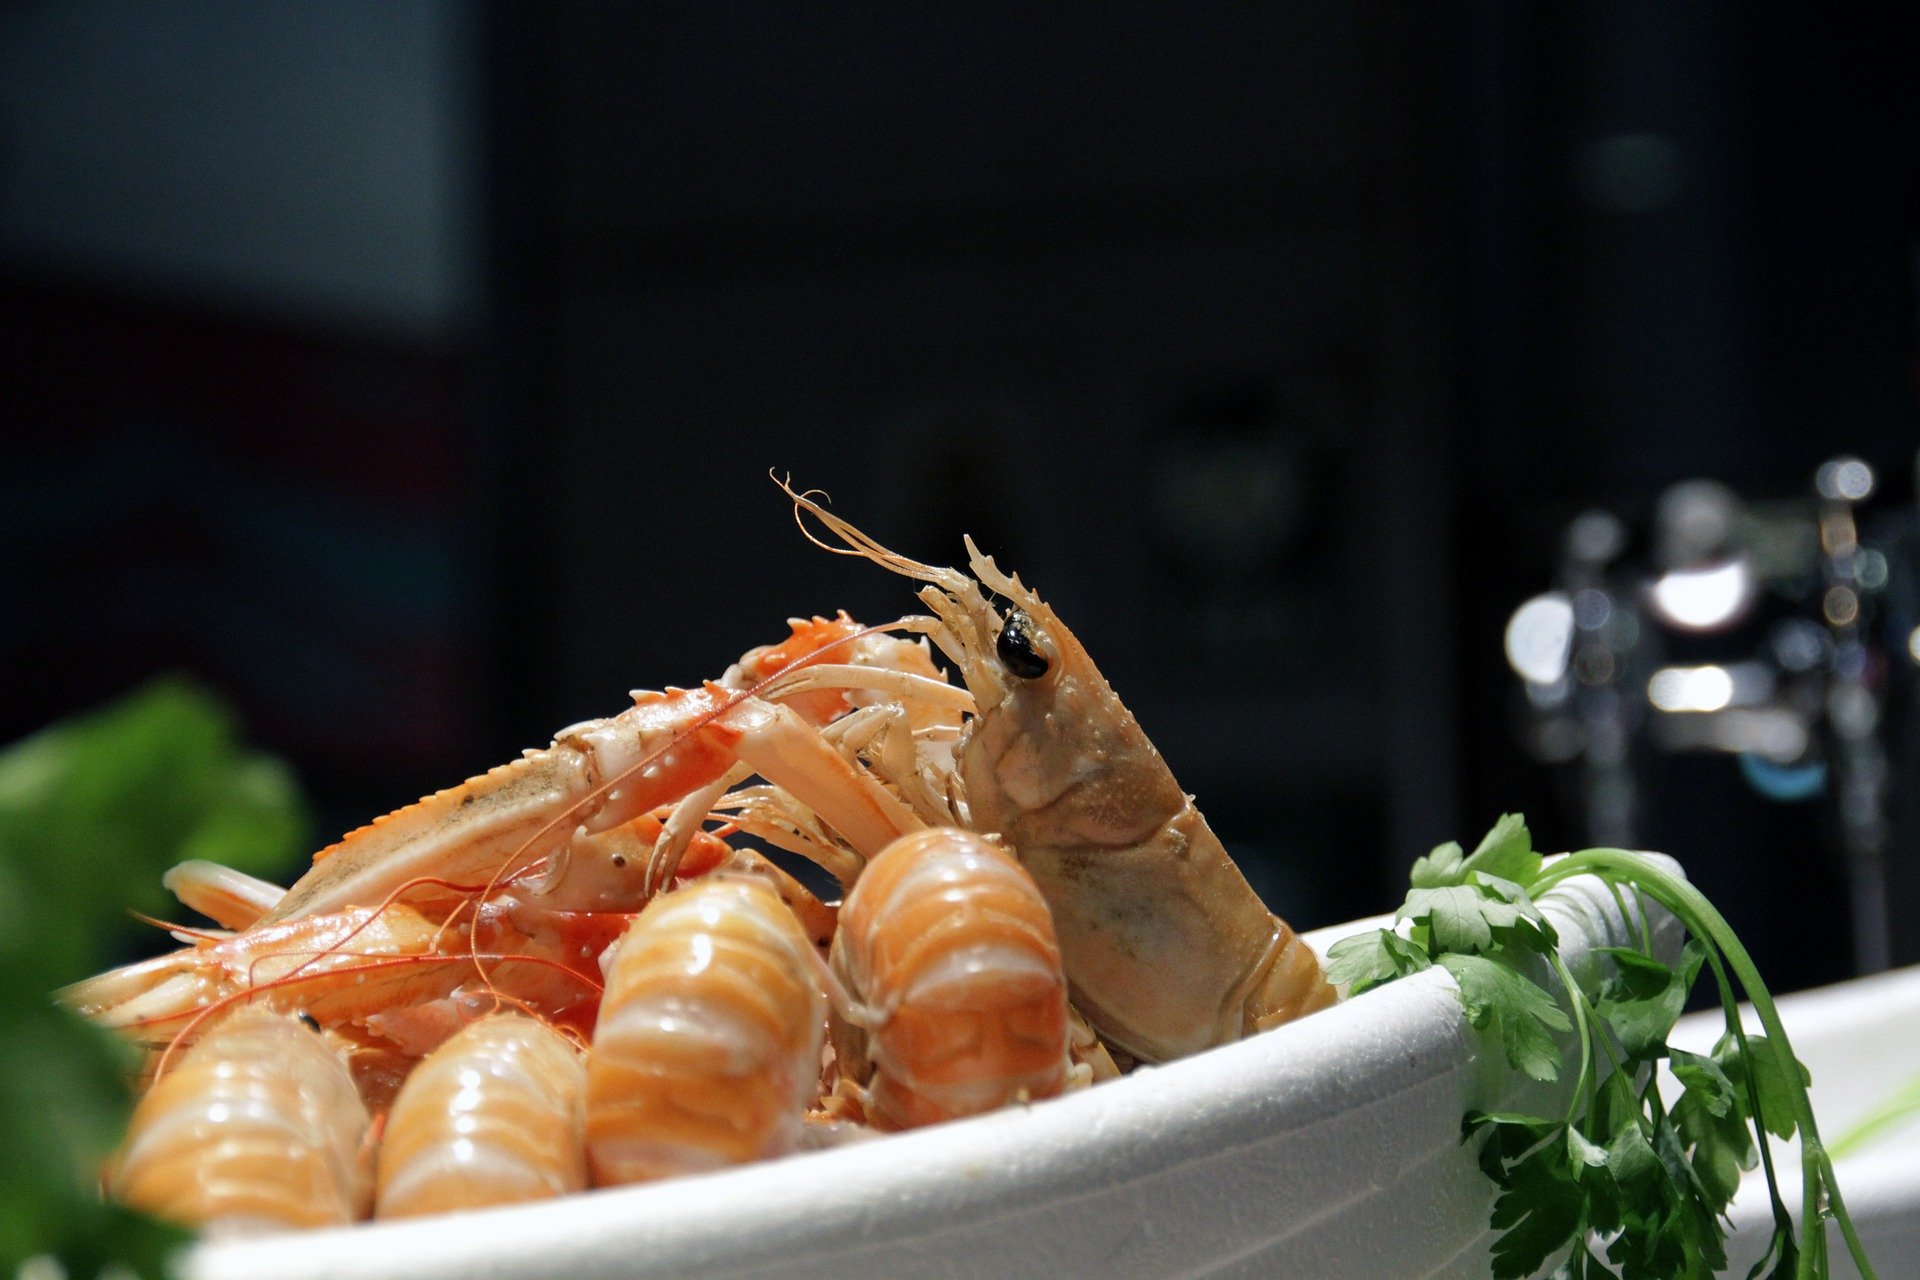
(948, 944)
(491, 1117)
(708, 1045)
(256, 1128)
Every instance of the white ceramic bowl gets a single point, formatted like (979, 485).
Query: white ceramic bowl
(1328, 1149)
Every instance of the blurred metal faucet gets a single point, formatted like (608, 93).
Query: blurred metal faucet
(1852, 575)
(1785, 597)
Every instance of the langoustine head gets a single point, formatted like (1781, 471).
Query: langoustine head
(1051, 747)
(1016, 665)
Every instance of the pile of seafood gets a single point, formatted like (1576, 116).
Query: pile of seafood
(582, 968)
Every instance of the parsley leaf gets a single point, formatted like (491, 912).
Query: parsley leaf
(1439, 868)
(1755, 1065)
(1538, 1208)
(92, 811)
(1713, 1125)
(1371, 958)
(1513, 1008)
(1537, 1212)
(1703, 1080)
(1456, 917)
(1781, 1261)
(1582, 1265)
(1479, 915)
(1645, 998)
(1507, 851)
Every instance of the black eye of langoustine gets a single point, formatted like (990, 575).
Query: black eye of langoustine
(1016, 648)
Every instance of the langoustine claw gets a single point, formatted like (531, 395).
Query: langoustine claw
(558, 805)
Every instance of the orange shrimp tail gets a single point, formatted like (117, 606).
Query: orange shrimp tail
(950, 935)
(259, 1129)
(708, 1045)
(491, 1117)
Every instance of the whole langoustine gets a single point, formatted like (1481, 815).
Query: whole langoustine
(947, 949)
(256, 1128)
(493, 1116)
(710, 1034)
(1168, 949)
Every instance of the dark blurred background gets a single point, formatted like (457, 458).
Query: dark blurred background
(412, 372)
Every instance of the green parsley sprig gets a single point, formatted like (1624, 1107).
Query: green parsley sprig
(1618, 1180)
(91, 811)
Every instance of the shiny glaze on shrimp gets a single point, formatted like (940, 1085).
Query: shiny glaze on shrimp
(948, 945)
(708, 1045)
(256, 1128)
(1168, 949)
(493, 1116)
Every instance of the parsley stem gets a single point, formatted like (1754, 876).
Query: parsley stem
(1840, 1216)
(1704, 921)
(1730, 1009)
(1585, 1086)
